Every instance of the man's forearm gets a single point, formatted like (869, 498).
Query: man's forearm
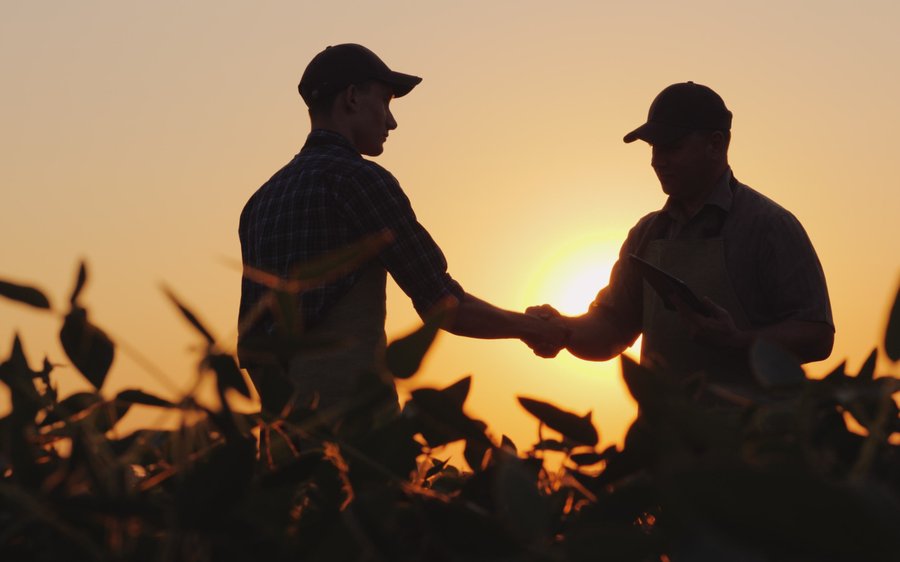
(476, 318)
(593, 338)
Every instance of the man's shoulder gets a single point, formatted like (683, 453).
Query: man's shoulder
(760, 214)
(366, 172)
(749, 200)
(645, 223)
(756, 201)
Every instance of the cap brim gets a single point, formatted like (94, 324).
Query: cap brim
(401, 83)
(657, 133)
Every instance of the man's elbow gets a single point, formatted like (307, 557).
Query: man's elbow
(820, 344)
(596, 350)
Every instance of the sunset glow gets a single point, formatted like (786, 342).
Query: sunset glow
(133, 133)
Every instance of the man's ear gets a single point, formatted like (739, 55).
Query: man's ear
(716, 144)
(349, 98)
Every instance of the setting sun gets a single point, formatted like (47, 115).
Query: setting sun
(570, 278)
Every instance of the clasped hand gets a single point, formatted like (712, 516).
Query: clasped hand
(554, 333)
(716, 328)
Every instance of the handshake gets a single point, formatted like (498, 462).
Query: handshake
(552, 333)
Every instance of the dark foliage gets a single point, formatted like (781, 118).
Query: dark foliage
(770, 475)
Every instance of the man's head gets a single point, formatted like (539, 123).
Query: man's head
(679, 110)
(347, 88)
(689, 130)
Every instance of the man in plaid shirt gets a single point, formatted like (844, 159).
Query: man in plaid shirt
(324, 200)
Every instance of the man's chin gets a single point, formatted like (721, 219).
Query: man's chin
(372, 150)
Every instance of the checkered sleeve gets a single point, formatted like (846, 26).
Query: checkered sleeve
(413, 259)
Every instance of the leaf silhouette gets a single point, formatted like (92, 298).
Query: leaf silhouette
(838, 374)
(88, 407)
(404, 356)
(190, 316)
(87, 346)
(642, 383)
(867, 371)
(24, 294)
(80, 280)
(476, 453)
(586, 459)
(228, 375)
(135, 396)
(576, 428)
(892, 334)
(458, 391)
(19, 377)
(508, 444)
(71, 406)
(551, 445)
(440, 416)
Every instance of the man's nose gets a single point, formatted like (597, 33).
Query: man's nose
(391, 122)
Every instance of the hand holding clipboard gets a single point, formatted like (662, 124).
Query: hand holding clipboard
(668, 286)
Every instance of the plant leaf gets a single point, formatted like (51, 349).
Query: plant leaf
(458, 391)
(867, 371)
(773, 366)
(586, 459)
(228, 375)
(476, 453)
(508, 444)
(18, 376)
(24, 294)
(87, 346)
(892, 334)
(838, 374)
(551, 445)
(404, 356)
(642, 383)
(80, 280)
(576, 428)
(439, 415)
(190, 316)
(134, 396)
(73, 405)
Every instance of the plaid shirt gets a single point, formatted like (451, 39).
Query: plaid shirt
(325, 199)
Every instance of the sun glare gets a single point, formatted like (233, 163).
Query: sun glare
(570, 278)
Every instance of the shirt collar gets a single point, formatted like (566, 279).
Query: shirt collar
(324, 137)
(721, 196)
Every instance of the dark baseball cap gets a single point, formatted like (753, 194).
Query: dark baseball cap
(679, 110)
(338, 66)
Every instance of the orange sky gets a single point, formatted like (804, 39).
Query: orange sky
(132, 135)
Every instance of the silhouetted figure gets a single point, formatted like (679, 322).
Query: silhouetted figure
(329, 197)
(749, 257)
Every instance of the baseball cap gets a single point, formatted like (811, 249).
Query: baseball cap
(339, 66)
(679, 110)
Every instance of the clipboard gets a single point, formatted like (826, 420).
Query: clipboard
(667, 285)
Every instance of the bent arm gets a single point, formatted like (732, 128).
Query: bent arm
(594, 337)
(809, 341)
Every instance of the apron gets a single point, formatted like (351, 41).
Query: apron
(357, 361)
(667, 345)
